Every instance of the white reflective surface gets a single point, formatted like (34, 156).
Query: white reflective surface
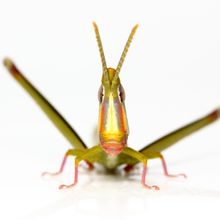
(171, 76)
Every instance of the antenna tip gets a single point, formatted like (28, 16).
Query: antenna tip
(94, 24)
(135, 27)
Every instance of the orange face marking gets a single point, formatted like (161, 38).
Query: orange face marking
(113, 127)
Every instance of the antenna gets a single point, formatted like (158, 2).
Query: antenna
(101, 51)
(121, 61)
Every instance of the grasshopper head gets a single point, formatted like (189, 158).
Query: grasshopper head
(113, 126)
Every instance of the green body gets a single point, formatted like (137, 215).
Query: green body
(112, 149)
(101, 157)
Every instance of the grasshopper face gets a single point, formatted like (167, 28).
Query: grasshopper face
(113, 125)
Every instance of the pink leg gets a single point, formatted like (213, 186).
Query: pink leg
(60, 170)
(75, 178)
(166, 171)
(143, 181)
(71, 152)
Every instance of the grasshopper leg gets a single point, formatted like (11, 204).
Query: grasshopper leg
(154, 155)
(71, 152)
(165, 170)
(143, 159)
(143, 180)
(63, 186)
(56, 118)
(83, 156)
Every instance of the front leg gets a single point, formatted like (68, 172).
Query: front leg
(143, 159)
(85, 156)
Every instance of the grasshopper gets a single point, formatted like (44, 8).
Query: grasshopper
(112, 150)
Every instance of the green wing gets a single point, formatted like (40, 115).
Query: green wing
(175, 136)
(48, 109)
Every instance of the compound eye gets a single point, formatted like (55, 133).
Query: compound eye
(100, 94)
(121, 93)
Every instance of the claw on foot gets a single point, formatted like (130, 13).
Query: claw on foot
(166, 171)
(66, 186)
(152, 187)
(50, 174)
(177, 175)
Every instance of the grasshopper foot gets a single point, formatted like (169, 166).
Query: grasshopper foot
(151, 187)
(51, 174)
(166, 173)
(176, 175)
(66, 186)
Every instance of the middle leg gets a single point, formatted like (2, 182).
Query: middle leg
(154, 155)
(71, 152)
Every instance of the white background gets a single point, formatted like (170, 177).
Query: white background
(171, 76)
